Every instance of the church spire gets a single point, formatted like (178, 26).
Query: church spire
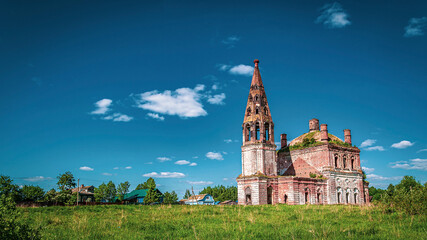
(258, 124)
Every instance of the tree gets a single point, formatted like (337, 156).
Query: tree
(221, 193)
(150, 183)
(101, 193)
(408, 183)
(9, 189)
(66, 181)
(32, 193)
(123, 189)
(10, 226)
(170, 198)
(111, 191)
(50, 196)
(187, 194)
(153, 196)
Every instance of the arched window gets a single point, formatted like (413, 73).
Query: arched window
(347, 196)
(265, 111)
(352, 163)
(338, 195)
(269, 195)
(257, 110)
(307, 196)
(247, 132)
(248, 112)
(267, 131)
(336, 160)
(256, 98)
(356, 192)
(285, 199)
(250, 98)
(257, 131)
(344, 159)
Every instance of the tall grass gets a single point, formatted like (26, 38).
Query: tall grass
(224, 222)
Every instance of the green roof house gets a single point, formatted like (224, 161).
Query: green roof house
(137, 196)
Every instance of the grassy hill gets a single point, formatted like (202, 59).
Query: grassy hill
(223, 222)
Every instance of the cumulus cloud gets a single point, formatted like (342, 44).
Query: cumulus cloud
(183, 102)
(231, 41)
(375, 148)
(368, 170)
(413, 164)
(378, 177)
(86, 168)
(115, 168)
(156, 116)
(164, 175)
(163, 159)
(333, 16)
(217, 99)
(118, 117)
(128, 167)
(182, 162)
(242, 69)
(368, 142)
(214, 156)
(402, 144)
(107, 174)
(193, 164)
(200, 182)
(416, 27)
(37, 179)
(102, 106)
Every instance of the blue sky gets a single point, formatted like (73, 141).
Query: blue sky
(126, 90)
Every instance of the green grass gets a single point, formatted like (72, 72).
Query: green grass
(223, 222)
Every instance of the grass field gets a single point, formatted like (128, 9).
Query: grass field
(223, 222)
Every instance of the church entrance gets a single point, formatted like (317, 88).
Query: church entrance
(248, 199)
(269, 195)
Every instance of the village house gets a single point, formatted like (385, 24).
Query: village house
(86, 193)
(137, 196)
(201, 199)
(315, 168)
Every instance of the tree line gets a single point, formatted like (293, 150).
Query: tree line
(219, 193)
(408, 196)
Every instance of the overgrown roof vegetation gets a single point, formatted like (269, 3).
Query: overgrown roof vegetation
(309, 140)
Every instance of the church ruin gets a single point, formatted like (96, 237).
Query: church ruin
(314, 168)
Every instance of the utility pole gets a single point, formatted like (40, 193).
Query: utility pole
(78, 190)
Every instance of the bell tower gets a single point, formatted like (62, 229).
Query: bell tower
(258, 150)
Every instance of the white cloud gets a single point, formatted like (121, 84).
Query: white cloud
(402, 144)
(333, 16)
(228, 140)
(368, 170)
(242, 69)
(214, 156)
(128, 167)
(231, 41)
(115, 168)
(196, 157)
(182, 162)
(416, 27)
(107, 174)
(183, 102)
(223, 67)
(217, 99)
(215, 87)
(225, 179)
(422, 150)
(368, 142)
(163, 159)
(118, 117)
(413, 164)
(193, 164)
(149, 163)
(200, 182)
(378, 177)
(86, 168)
(37, 179)
(156, 116)
(102, 106)
(375, 148)
(165, 175)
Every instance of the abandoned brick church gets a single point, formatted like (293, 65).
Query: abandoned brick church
(314, 168)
